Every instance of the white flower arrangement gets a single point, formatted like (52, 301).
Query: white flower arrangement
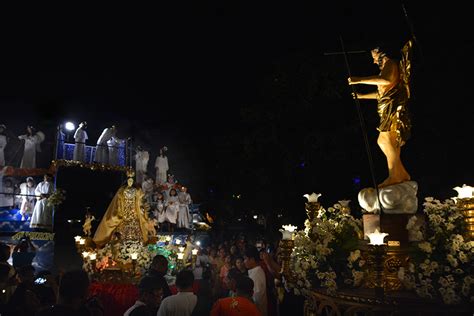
(442, 266)
(121, 257)
(327, 245)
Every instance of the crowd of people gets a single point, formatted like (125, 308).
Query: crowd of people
(232, 278)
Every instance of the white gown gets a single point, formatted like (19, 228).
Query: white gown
(161, 165)
(31, 147)
(183, 215)
(3, 143)
(8, 198)
(147, 188)
(114, 143)
(28, 199)
(43, 213)
(141, 164)
(80, 137)
(159, 212)
(102, 150)
(172, 208)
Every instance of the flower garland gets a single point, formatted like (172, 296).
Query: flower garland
(325, 252)
(56, 198)
(442, 266)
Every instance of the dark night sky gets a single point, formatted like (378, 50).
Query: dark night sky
(182, 76)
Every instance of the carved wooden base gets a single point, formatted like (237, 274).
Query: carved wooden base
(364, 302)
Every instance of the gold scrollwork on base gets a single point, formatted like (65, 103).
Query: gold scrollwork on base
(364, 302)
(392, 264)
(286, 249)
(467, 206)
(393, 260)
(312, 209)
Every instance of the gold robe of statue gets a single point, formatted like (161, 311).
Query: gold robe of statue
(124, 215)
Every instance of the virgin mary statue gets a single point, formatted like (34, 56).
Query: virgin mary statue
(125, 217)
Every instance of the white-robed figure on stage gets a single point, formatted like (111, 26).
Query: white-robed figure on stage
(32, 140)
(102, 150)
(3, 144)
(80, 137)
(161, 165)
(172, 207)
(42, 217)
(185, 201)
(147, 188)
(141, 163)
(168, 185)
(114, 145)
(28, 198)
(7, 198)
(159, 209)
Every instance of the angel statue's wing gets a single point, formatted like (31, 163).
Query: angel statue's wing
(405, 65)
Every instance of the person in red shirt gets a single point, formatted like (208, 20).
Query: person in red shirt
(239, 305)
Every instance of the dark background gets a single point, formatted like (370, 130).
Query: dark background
(253, 112)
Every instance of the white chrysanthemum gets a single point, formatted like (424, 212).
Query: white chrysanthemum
(452, 261)
(425, 246)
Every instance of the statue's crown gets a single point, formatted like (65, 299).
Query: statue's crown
(130, 173)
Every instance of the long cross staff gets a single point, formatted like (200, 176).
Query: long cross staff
(362, 126)
(412, 30)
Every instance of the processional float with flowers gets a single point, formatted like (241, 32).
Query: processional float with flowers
(393, 259)
(126, 240)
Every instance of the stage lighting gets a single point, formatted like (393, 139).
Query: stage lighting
(70, 126)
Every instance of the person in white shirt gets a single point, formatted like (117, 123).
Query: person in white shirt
(28, 198)
(102, 150)
(161, 165)
(141, 163)
(7, 196)
(172, 209)
(114, 144)
(32, 140)
(184, 203)
(183, 303)
(43, 213)
(150, 295)
(256, 273)
(80, 137)
(147, 187)
(159, 211)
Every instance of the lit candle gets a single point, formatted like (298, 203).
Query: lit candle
(376, 238)
(92, 256)
(134, 256)
(464, 192)
(313, 197)
(288, 231)
(194, 252)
